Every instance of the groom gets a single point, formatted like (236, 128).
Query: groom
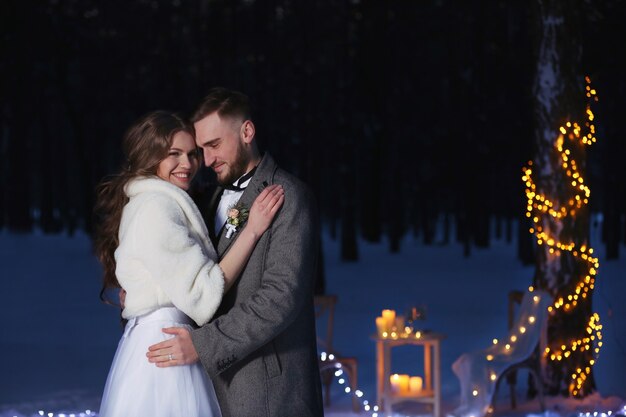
(260, 348)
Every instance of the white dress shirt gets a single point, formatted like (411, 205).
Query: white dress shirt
(228, 200)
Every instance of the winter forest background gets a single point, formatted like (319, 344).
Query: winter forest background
(395, 112)
(411, 120)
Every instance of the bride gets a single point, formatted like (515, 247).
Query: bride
(153, 243)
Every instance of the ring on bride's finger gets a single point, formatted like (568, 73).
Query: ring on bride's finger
(170, 356)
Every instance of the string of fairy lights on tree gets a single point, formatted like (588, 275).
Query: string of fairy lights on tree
(540, 205)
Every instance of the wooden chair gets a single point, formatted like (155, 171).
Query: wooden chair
(532, 364)
(325, 314)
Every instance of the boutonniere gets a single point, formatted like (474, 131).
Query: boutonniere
(237, 216)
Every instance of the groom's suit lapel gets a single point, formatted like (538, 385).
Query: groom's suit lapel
(210, 219)
(262, 178)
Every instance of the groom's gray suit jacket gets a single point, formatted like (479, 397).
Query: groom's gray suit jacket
(260, 348)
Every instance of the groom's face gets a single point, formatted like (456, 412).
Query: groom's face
(222, 146)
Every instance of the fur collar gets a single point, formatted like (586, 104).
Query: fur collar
(141, 185)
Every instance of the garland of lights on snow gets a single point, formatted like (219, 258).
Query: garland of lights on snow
(328, 361)
(541, 205)
(89, 413)
(43, 413)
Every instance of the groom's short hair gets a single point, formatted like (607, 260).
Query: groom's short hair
(227, 103)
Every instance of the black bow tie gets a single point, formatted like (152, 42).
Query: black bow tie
(237, 186)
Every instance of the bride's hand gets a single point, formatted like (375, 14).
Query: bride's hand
(264, 209)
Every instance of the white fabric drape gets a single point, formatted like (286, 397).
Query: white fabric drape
(478, 371)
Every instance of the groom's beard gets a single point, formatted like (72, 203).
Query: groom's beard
(236, 169)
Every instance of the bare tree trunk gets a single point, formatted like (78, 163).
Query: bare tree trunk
(558, 207)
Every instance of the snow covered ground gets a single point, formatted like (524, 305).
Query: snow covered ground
(58, 339)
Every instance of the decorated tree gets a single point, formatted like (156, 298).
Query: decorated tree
(558, 198)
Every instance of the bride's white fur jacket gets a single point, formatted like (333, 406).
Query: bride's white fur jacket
(165, 257)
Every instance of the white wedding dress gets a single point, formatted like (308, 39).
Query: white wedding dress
(138, 388)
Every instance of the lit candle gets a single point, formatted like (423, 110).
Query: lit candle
(395, 383)
(404, 384)
(390, 317)
(415, 385)
(381, 325)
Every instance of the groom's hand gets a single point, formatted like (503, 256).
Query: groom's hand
(178, 350)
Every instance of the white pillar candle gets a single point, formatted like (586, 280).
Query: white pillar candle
(381, 326)
(390, 317)
(415, 385)
(395, 383)
(404, 384)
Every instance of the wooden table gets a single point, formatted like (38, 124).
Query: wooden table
(431, 391)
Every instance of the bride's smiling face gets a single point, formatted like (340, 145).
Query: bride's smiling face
(181, 163)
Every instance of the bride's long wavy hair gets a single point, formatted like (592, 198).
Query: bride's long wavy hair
(145, 144)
